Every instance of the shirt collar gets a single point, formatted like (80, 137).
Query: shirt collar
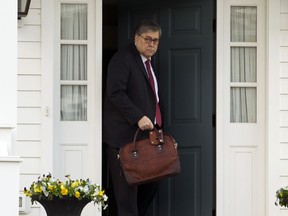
(144, 59)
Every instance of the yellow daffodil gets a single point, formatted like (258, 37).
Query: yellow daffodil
(101, 193)
(77, 194)
(27, 192)
(37, 188)
(64, 190)
(51, 187)
(75, 184)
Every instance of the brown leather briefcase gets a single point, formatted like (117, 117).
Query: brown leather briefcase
(150, 159)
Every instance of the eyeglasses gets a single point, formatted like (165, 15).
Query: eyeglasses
(148, 40)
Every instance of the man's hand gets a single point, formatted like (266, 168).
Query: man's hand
(145, 123)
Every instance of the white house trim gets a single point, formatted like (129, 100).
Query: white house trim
(219, 111)
(272, 103)
(47, 68)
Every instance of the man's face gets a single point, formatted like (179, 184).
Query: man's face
(147, 43)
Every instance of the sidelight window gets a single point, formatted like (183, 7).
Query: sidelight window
(243, 64)
(73, 62)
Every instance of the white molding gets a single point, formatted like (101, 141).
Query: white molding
(220, 181)
(98, 90)
(47, 84)
(273, 104)
(7, 126)
(11, 159)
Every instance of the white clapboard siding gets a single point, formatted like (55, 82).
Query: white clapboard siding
(27, 148)
(284, 152)
(284, 52)
(26, 180)
(284, 119)
(29, 66)
(29, 49)
(36, 4)
(284, 86)
(283, 114)
(284, 6)
(284, 38)
(283, 81)
(284, 69)
(29, 115)
(28, 132)
(34, 17)
(30, 166)
(29, 83)
(29, 33)
(28, 141)
(34, 211)
(283, 135)
(284, 212)
(29, 99)
(284, 181)
(284, 20)
(284, 102)
(284, 167)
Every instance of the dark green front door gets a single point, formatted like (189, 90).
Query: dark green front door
(185, 67)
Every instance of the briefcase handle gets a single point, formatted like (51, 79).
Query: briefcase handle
(155, 136)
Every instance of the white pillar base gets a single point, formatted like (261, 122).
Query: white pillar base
(9, 185)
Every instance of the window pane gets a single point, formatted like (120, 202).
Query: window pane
(243, 105)
(73, 103)
(243, 64)
(74, 21)
(243, 24)
(73, 62)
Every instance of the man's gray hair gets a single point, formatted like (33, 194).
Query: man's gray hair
(146, 26)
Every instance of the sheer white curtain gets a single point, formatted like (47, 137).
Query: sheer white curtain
(73, 62)
(73, 103)
(243, 100)
(243, 104)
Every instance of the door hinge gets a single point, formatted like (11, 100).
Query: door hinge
(214, 120)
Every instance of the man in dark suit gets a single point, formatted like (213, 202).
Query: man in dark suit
(131, 102)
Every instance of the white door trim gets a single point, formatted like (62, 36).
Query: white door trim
(47, 85)
(273, 106)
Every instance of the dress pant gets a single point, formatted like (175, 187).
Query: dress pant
(131, 200)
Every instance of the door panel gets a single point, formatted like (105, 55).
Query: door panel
(184, 64)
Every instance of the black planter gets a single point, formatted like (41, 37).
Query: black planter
(63, 207)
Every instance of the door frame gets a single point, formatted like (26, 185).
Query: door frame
(48, 40)
(214, 104)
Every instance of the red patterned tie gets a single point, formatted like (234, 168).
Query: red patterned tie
(158, 113)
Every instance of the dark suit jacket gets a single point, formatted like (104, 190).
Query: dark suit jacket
(129, 97)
